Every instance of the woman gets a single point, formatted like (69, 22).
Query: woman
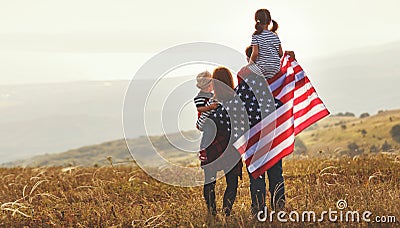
(220, 154)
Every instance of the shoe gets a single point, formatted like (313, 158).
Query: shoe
(280, 205)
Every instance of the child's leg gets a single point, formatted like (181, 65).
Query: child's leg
(258, 192)
(276, 186)
(209, 132)
(210, 176)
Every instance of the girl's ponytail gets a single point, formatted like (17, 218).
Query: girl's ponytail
(259, 28)
(261, 20)
(275, 26)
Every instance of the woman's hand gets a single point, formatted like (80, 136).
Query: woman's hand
(213, 106)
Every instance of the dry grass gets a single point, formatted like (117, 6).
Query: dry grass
(125, 196)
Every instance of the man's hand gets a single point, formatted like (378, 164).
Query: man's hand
(291, 54)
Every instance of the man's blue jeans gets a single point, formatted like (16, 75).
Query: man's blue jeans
(276, 189)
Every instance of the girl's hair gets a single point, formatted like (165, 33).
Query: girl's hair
(262, 18)
(223, 84)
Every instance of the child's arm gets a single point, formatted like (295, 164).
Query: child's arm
(254, 54)
(280, 51)
(212, 106)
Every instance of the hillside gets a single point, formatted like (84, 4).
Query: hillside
(330, 137)
(115, 152)
(333, 136)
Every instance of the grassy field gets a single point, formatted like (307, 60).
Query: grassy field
(125, 196)
(333, 135)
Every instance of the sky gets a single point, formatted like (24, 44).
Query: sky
(59, 41)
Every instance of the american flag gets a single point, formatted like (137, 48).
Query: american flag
(272, 125)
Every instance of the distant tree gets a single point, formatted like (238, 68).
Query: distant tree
(364, 132)
(349, 114)
(386, 146)
(343, 126)
(299, 147)
(373, 149)
(395, 132)
(390, 119)
(353, 146)
(364, 115)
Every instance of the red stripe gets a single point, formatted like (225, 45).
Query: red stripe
(288, 150)
(266, 130)
(304, 96)
(310, 121)
(305, 110)
(277, 140)
(289, 79)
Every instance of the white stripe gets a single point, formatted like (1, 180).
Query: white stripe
(264, 122)
(300, 91)
(254, 165)
(305, 103)
(316, 109)
(268, 138)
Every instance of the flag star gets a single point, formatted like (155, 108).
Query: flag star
(235, 128)
(236, 101)
(239, 94)
(215, 114)
(236, 135)
(247, 96)
(252, 103)
(257, 90)
(261, 99)
(253, 82)
(258, 109)
(246, 79)
(243, 87)
(227, 108)
(242, 128)
(221, 122)
(276, 104)
(254, 98)
(250, 109)
(267, 110)
(268, 105)
(242, 116)
(263, 93)
(220, 115)
(234, 109)
(229, 129)
(269, 100)
(257, 117)
(260, 84)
